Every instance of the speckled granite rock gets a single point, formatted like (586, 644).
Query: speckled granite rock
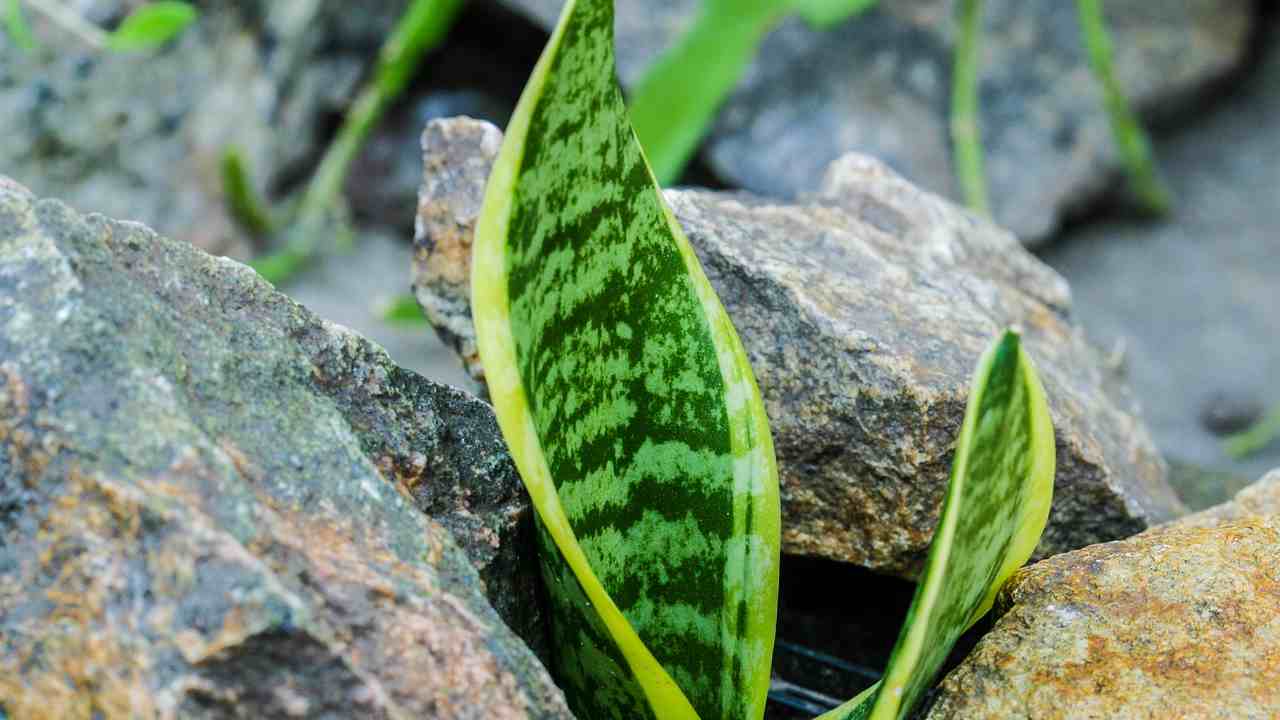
(863, 313)
(880, 84)
(1180, 621)
(207, 500)
(141, 136)
(457, 154)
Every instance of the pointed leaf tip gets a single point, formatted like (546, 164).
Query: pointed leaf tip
(995, 510)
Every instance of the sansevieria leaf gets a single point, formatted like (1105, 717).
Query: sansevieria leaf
(628, 405)
(995, 510)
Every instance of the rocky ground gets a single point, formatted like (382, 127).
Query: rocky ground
(315, 506)
(1190, 303)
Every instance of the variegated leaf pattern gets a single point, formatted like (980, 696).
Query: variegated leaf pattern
(995, 510)
(628, 404)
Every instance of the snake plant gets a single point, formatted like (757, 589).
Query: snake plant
(633, 416)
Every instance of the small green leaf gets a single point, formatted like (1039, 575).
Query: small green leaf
(1248, 442)
(246, 207)
(995, 510)
(279, 266)
(16, 25)
(628, 405)
(824, 13)
(424, 24)
(151, 26)
(403, 310)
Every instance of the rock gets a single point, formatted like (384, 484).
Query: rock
(457, 155)
(142, 136)
(1192, 299)
(1225, 413)
(863, 314)
(1179, 621)
(1260, 498)
(207, 500)
(353, 290)
(880, 84)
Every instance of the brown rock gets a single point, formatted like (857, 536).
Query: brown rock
(457, 155)
(1180, 621)
(863, 313)
(207, 500)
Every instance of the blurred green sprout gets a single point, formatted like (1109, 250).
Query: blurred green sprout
(147, 28)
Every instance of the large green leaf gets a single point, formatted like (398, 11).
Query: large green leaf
(628, 405)
(995, 511)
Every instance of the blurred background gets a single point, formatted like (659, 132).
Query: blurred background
(246, 104)
(284, 132)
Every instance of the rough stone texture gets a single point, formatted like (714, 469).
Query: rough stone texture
(457, 155)
(863, 314)
(353, 289)
(880, 84)
(1180, 621)
(1192, 300)
(141, 136)
(207, 500)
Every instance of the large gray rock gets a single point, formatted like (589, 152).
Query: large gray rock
(207, 500)
(142, 136)
(880, 84)
(1192, 301)
(863, 313)
(1179, 621)
(353, 289)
